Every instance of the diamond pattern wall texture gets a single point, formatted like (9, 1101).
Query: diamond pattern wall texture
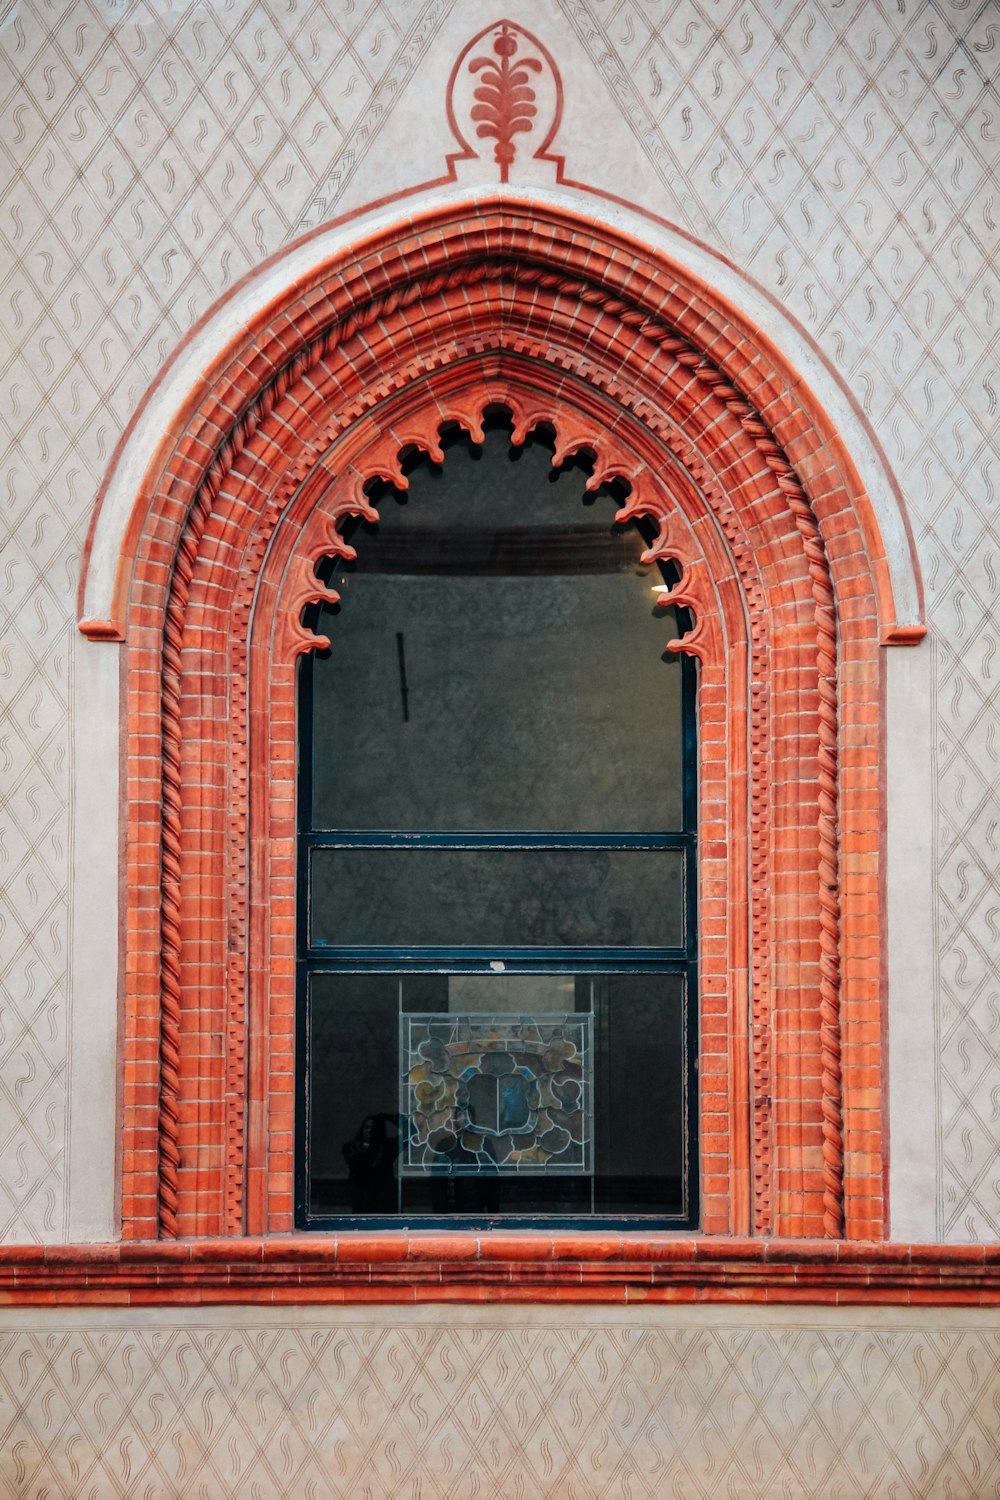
(150, 154)
(842, 154)
(499, 1409)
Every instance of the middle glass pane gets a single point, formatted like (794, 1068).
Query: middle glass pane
(497, 898)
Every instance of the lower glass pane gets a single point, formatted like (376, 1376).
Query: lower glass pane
(469, 1094)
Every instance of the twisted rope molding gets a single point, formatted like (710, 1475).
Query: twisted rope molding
(758, 771)
(689, 357)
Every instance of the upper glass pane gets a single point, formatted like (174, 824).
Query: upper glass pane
(497, 661)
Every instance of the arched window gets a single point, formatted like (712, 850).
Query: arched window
(497, 997)
(567, 870)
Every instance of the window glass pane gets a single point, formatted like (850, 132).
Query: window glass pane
(497, 665)
(483, 1094)
(498, 661)
(498, 897)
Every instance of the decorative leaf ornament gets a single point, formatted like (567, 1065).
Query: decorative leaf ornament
(505, 97)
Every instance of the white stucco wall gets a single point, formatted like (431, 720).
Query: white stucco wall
(833, 161)
(435, 1403)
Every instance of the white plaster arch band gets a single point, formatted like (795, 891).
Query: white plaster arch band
(189, 373)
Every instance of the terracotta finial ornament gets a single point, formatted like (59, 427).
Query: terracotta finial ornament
(505, 88)
(505, 97)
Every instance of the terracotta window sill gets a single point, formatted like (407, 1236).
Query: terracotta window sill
(497, 1267)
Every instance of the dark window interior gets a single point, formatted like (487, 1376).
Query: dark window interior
(496, 922)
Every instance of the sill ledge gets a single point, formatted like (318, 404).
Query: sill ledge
(396, 1267)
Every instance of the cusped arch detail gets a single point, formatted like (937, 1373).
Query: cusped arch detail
(557, 323)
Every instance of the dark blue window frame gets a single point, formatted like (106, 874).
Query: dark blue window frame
(331, 959)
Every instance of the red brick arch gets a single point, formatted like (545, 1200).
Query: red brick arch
(565, 323)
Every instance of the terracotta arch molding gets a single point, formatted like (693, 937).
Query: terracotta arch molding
(564, 324)
(741, 303)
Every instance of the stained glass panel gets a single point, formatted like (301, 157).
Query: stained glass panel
(501, 1093)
